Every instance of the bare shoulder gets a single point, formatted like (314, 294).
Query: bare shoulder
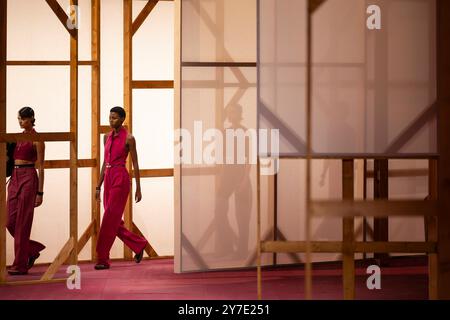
(130, 138)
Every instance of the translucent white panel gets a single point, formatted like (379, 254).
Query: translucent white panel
(111, 57)
(372, 89)
(153, 43)
(35, 33)
(218, 200)
(154, 214)
(44, 89)
(84, 112)
(282, 71)
(153, 127)
(222, 30)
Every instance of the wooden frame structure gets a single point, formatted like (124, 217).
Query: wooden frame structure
(436, 244)
(74, 245)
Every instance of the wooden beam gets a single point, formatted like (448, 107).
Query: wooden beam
(337, 247)
(314, 5)
(43, 136)
(32, 282)
(431, 231)
(152, 84)
(155, 173)
(87, 234)
(62, 256)
(400, 173)
(177, 125)
(148, 248)
(348, 234)
(381, 191)
(128, 98)
(62, 16)
(95, 120)
(49, 63)
(74, 142)
(443, 125)
(61, 164)
(143, 15)
(376, 208)
(3, 45)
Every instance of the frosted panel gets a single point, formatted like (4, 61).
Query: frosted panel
(372, 90)
(218, 199)
(222, 30)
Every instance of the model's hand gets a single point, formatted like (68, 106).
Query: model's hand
(38, 201)
(97, 194)
(138, 195)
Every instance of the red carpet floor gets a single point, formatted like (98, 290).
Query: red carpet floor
(404, 278)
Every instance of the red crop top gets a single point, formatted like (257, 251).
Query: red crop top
(25, 151)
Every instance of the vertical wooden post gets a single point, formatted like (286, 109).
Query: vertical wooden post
(177, 125)
(431, 230)
(3, 17)
(258, 171)
(381, 191)
(348, 233)
(443, 99)
(128, 100)
(73, 259)
(308, 251)
(95, 120)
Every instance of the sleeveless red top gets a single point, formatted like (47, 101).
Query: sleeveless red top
(115, 148)
(25, 150)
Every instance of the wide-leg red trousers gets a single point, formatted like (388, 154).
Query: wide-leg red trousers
(116, 190)
(22, 190)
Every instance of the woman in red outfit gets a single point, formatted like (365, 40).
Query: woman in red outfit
(24, 194)
(118, 143)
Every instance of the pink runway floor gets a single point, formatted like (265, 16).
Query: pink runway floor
(404, 278)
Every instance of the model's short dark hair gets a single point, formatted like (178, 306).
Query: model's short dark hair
(120, 111)
(27, 112)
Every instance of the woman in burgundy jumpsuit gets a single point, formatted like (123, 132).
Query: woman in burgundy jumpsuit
(24, 194)
(117, 187)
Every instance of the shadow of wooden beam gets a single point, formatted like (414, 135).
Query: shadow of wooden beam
(412, 129)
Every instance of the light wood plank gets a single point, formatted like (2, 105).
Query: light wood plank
(87, 234)
(48, 63)
(62, 257)
(152, 84)
(74, 142)
(177, 125)
(337, 247)
(62, 16)
(155, 173)
(60, 164)
(148, 248)
(128, 100)
(348, 236)
(95, 122)
(42, 136)
(432, 232)
(376, 208)
(32, 282)
(400, 173)
(143, 15)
